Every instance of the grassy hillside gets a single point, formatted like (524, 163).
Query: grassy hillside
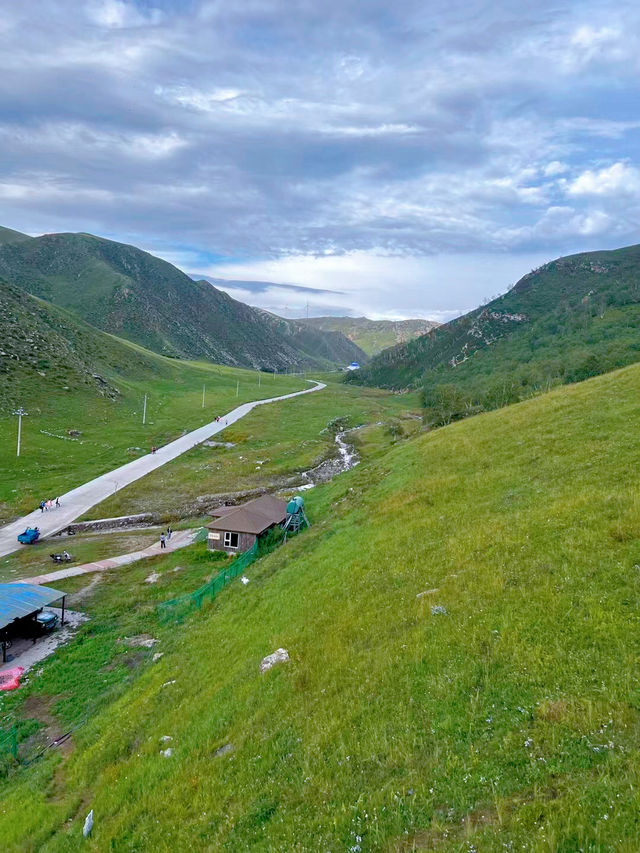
(8, 235)
(373, 336)
(573, 318)
(70, 376)
(461, 621)
(130, 293)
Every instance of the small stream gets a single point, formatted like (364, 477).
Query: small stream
(346, 459)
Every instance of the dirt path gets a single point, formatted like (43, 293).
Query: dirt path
(78, 501)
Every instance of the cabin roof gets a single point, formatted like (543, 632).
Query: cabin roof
(253, 517)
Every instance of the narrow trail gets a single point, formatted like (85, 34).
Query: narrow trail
(79, 500)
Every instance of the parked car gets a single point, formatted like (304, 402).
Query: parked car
(47, 620)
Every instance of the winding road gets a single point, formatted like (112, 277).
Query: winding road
(79, 500)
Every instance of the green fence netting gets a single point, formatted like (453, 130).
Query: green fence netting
(178, 608)
(8, 743)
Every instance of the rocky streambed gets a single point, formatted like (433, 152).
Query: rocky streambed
(346, 459)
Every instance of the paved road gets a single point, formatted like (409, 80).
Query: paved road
(79, 500)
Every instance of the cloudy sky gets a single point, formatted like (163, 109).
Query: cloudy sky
(389, 158)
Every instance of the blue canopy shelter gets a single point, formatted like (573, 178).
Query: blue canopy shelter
(23, 601)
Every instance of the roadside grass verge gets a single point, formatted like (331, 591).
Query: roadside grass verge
(111, 431)
(462, 625)
(84, 548)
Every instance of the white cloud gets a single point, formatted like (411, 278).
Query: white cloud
(554, 168)
(381, 285)
(118, 14)
(617, 179)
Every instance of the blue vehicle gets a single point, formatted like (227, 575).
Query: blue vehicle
(30, 535)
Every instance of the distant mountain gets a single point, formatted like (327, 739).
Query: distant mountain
(39, 340)
(130, 293)
(373, 335)
(574, 317)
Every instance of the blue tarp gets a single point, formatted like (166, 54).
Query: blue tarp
(22, 599)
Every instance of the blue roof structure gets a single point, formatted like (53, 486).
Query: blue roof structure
(22, 599)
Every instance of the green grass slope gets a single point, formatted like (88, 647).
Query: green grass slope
(70, 376)
(372, 336)
(130, 293)
(462, 626)
(8, 235)
(572, 318)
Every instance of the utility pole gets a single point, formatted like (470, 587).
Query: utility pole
(19, 412)
(144, 411)
(203, 390)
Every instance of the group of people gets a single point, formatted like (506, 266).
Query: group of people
(165, 536)
(52, 503)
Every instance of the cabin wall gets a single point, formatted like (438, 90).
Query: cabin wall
(245, 541)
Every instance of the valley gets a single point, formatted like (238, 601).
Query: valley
(421, 703)
(423, 688)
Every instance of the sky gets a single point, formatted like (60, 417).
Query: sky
(405, 159)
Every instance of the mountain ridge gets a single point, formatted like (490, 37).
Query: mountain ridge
(123, 290)
(373, 336)
(573, 317)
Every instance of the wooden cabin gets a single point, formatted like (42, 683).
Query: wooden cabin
(236, 528)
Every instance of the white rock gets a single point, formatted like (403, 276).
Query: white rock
(166, 738)
(279, 656)
(157, 656)
(88, 824)
(244, 580)
(154, 577)
(167, 752)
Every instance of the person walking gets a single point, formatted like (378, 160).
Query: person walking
(42, 505)
(163, 540)
(169, 532)
(57, 503)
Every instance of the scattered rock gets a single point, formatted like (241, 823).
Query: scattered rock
(178, 569)
(244, 580)
(166, 738)
(167, 752)
(154, 577)
(224, 750)
(144, 641)
(438, 609)
(74, 432)
(279, 656)
(157, 657)
(426, 592)
(167, 683)
(226, 444)
(88, 825)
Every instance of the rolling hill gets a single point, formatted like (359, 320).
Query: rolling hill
(68, 375)
(575, 317)
(373, 336)
(462, 676)
(7, 235)
(132, 294)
